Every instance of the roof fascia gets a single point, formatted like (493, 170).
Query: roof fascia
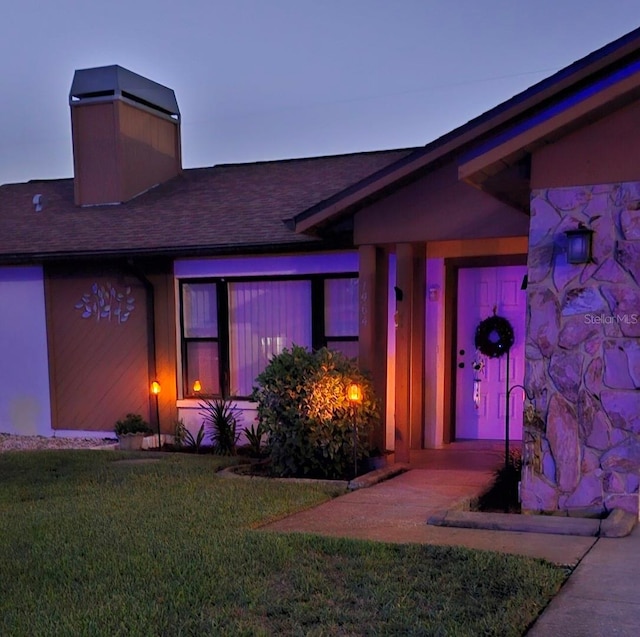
(313, 245)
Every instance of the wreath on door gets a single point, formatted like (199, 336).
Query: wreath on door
(494, 336)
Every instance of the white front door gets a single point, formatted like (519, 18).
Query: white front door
(480, 290)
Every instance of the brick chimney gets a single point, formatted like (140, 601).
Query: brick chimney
(126, 135)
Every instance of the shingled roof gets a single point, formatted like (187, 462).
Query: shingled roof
(205, 210)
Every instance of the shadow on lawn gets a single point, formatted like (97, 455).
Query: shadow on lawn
(503, 495)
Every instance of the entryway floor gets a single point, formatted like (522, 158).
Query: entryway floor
(474, 455)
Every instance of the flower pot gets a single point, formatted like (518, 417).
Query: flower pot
(131, 442)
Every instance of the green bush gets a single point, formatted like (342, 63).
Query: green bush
(132, 424)
(253, 434)
(304, 410)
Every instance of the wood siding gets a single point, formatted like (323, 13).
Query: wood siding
(437, 207)
(95, 156)
(166, 346)
(607, 151)
(99, 368)
(120, 150)
(149, 147)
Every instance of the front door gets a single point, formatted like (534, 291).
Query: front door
(481, 405)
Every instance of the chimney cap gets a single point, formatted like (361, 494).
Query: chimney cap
(118, 81)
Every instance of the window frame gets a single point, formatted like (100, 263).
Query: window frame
(319, 337)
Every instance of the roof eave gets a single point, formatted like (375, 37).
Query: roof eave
(168, 252)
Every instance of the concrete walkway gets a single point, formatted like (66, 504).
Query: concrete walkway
(397, 511)
(600, 598)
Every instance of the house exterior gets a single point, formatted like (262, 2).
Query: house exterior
(138, 270)
(130, 272)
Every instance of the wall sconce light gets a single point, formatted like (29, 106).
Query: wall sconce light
(155, 388)
(197, 387)
(579, 244)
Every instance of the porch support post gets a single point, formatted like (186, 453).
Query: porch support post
(372, 351)
(410, 333)
(418, 334)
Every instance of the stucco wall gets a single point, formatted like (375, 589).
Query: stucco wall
(24, 372)
(582, 451)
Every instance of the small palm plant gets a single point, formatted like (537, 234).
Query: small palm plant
(253, 434)
(184, 439)
(221, 422)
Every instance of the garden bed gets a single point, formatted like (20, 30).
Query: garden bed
(260, 469)
(12, 442)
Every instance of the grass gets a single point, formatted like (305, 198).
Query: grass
(92, 546)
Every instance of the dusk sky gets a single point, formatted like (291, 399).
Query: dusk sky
(271, 79)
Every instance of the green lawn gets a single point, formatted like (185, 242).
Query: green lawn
(91, 546)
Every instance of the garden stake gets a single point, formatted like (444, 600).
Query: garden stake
(506, 423)
(354, 396)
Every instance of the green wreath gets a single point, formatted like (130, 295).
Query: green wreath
(494, 336)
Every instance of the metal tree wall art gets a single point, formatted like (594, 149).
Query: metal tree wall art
(105, 302)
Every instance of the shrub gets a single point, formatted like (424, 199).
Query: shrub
(132, 424)
(304, 410)
(184, 439)
(179, 434)
(253, 434)
(221, 419)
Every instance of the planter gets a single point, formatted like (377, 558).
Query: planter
(131, 442)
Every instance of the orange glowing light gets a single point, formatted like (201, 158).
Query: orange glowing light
(197, 386)
(155, 387)
(354, 393)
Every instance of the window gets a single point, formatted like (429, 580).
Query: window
(231, 328)
(201, 350)
(341, 315)
(265, 317)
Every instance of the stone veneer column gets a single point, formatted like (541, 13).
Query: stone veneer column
(582, 447)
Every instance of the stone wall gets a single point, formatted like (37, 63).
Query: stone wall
(582, 430)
